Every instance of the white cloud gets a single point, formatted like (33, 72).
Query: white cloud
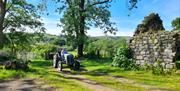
(120, 32)
(95, 32)
(50, 21)
(51, 26)
(125, 32)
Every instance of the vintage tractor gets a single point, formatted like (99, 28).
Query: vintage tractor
(68, 59)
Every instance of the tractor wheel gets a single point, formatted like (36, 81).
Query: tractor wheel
(60, 66)
(76, 65)
(71, 67)
(55, 62)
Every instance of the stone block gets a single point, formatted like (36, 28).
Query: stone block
(169, 66)
(155, 41)
(163, 64)
(139, 57)
(146, 58)
(143, 52)
(168, 60)
(156, 53)
(137, 62)
(145, 42)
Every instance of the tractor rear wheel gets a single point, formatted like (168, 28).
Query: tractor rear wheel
(60, 66)
(76, 65)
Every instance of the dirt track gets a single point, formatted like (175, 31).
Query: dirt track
(24, 85)
(88, 83)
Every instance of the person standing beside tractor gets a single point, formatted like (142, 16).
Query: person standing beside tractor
(63, 52)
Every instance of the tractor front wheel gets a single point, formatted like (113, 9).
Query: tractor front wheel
(55, 61)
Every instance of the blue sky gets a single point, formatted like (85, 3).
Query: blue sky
(167, 9)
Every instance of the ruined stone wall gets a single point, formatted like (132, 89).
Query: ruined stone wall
(150, 47)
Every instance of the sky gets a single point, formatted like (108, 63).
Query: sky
(168, 10)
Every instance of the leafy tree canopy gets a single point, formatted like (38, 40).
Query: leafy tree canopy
(17, 15)
(176, 23)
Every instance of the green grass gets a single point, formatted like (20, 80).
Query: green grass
(98, 70)
(178, 64)
(7, 74)
(178, 61)
(103, 66)
(43, 70)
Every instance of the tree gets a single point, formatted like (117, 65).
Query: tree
(152, 22)
(80, 15)
(15, 15)
(104, 46)
(19, 41)
(176, 23)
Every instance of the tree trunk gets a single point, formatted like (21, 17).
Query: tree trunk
(80, 50)
(2, 16)
(82, 26)
(13, 49)
(1, 39)
(98, 53)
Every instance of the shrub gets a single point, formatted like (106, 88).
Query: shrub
(158, 68)
(4, 56)
(91, 50)
(123, 59)
(44, 49)
(176, 23)
(17, 64)
(178, 64)
(105, 47)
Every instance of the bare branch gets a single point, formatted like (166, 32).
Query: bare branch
(97, 3)
(68, 1)
(9, 7)
(16, 19)
(100, 2)
(5, 1)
